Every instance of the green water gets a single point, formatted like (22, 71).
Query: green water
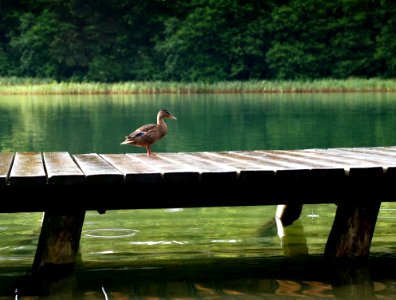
(84, 124)
(190, 253)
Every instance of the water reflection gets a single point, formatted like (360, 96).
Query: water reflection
(85, 124)
(293, 239)
(354, 283)
(218, 279)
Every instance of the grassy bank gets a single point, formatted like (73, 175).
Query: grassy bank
(15, 86)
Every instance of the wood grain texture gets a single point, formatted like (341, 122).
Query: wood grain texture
(97, 170)
(61, 169)
(28, 169)
(248, 177)
(5, 166)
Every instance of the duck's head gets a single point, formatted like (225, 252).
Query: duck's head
(163, 113)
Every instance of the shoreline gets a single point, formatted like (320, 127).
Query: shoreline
(26, 86)
(195, 93)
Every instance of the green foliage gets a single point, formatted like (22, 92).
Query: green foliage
(33, 44)
(198, 40)
(386, 39)
(4, 64)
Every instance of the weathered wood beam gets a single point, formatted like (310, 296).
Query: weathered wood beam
(28, 170)
(5, 164)
(355, 219)
(287, 214)
(60, 234)
(58, 242)
(352, 231)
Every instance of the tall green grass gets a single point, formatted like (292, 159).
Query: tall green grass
(14, 85)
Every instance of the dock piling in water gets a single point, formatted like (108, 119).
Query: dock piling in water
(59, 242)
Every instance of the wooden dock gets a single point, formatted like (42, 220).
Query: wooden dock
(356, 179)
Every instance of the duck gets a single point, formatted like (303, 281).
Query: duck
(147, 135)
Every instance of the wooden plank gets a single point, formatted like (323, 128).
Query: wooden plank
(61, 169)
(133, 171)
(346, 161)
(210, 170)
(28, 170)
(355, 161)
(298, 158)
(234, 161)
(249, 169)
(273, 161)
(248, 159)
(390, 150)
(375, 151)
(323, 155)
(352, 163)
(316, 160)
(97, 170)
(366, 157)
(6, 160)
(172, 170)
(195, 161)
(189, 167)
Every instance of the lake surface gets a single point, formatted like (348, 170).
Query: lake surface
(199, 253)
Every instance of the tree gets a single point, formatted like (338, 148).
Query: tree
(33, 43)
(386, 38)
(299, 39)
(215, 40)
(198, 40)
(353, 42)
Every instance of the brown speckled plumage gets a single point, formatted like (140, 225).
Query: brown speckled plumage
(147, 135)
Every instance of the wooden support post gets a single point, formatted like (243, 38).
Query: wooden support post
(287, 214)
(352, 231)
(58, 243)
(292, 237)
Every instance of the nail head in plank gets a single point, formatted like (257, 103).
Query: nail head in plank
(97, 170)
(28, 169)
(62, 169)
(5, 165)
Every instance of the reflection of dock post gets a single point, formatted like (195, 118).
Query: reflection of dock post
(59, 241)
(353, 283)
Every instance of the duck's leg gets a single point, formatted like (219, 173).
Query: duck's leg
(148, 149)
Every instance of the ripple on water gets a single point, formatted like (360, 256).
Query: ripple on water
(110, 233)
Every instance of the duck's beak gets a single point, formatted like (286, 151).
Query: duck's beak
(172, 117)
